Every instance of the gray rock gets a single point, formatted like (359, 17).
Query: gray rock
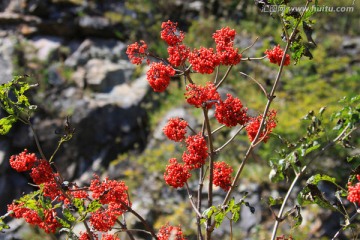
(351, 46)
(127, 94)
(111, 50)
(103, 75)
(45, 46)
(6, 65)
(4, 156)
(54, 76)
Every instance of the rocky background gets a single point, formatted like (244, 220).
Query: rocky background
(75, 50)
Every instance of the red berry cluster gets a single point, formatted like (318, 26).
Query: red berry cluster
(200, 96)
(224, 39)
(197, 151)
(170, 34)
(176, 174)
(42, 172)
(178, 54)
(231, 112)
(222, 175)
(276, 54)
(113, 194)
(354, 191)
(137, 52)
(23, 161)
(175, 129)
(204, 60)
(168, 232)
(159, 76)
(46, 219)
(110, 193)
(254, 124)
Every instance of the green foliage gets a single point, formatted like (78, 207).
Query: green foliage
(68, 215)
(14, 101)
(93, 206)
(296, 158)
(3, 225)
(312, 195)
(221, 212)
(349, 115)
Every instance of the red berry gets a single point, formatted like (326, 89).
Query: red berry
(275, 55)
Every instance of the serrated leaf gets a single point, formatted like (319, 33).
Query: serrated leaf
(274, 201)
(68, 215)
(6, 124)
(297, 217)
(312, 195)
(63, 223)
(320, 177)
(219, 217)
(3, 225)
(79, 204)
(231, 203)
(236, 216)
(311, 149)
(93, 206)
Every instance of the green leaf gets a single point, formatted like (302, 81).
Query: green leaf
(3, 225)
(203, 220)
(219, 217)
(320, 177)
(274, 201)
(315, 146)
(63, 223)
(312, 195)
(68, 215)
(6, 124)
(93, 206)
(79, 204)
(297, 217)
(236, 216)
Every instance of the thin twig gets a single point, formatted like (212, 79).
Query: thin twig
(36, 140)
(192, 202)
(249, 46)
(133, 230)
(232, 138)
(255, 58)
(217, 129)
(216, 74)
(224, 77)
(257, 82)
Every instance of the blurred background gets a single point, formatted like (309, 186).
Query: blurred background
(75, 50)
